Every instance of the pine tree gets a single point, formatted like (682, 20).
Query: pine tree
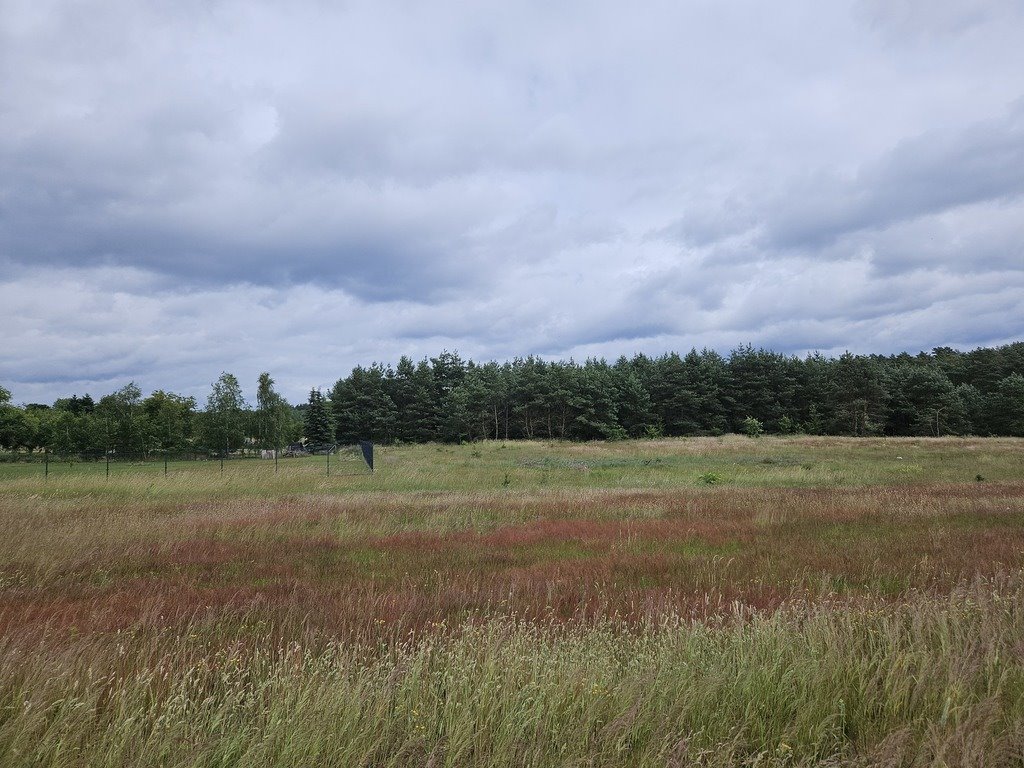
(317, 427)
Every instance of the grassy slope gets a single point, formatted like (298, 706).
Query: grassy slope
(521, 603)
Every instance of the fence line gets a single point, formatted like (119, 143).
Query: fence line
(64, 465)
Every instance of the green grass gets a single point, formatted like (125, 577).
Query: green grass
(828, 602)
(926, 682)
(739, 461)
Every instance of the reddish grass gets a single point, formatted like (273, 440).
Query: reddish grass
(351, 567)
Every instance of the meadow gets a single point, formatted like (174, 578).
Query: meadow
(702, 601)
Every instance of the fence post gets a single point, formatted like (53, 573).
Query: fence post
(46, 463)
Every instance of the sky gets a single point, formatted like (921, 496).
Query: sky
(195, 186)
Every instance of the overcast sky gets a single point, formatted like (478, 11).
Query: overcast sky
(194, 186)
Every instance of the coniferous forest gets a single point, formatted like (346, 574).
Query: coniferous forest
(449, 399)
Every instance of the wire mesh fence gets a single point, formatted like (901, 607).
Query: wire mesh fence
(329, 460)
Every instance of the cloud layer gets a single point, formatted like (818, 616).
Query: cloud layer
(193, 187)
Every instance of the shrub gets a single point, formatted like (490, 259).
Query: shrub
(788, 426)
(752, 427)
(711, 478)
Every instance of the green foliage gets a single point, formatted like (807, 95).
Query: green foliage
(413, 398)
(363, 408)
(275, 424)
(169, 423)
(449, 399)
(224, 422)
(711, 478)
(653, 431)
(1005, 406)
(788, 426)
(857, 403)
(760, 382)
(752, 427)
(75, 404)
(120, 429)
(15, 429)
(921, 399)
(686, 393)
(317, 427)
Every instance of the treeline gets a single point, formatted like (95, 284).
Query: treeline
(126, 425)
(446, 398)
(701, 393)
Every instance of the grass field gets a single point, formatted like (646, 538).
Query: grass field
(711, 601)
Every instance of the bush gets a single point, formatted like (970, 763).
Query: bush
(752, 427)
(788, 426)
(654, 431)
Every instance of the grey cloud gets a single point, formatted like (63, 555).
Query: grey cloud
(971, 239)
(188, 188)
(623, 333)
(184, 185)
(708, 222)
(375, 244)
(924, 175)
(698, 282)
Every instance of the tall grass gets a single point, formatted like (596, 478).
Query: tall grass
(931, 681)
(830, 602)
